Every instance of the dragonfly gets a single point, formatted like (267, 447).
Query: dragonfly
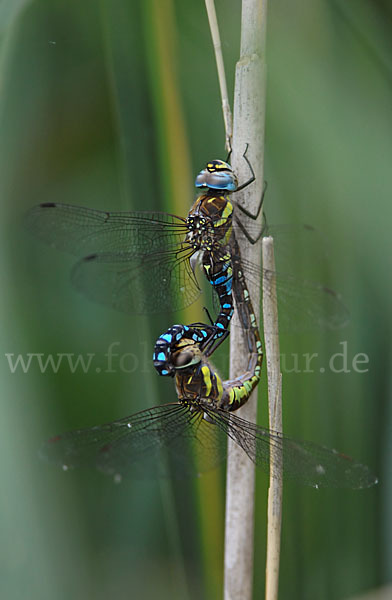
(205, 335)
(189, 436)
(145, 262)
(178, 352)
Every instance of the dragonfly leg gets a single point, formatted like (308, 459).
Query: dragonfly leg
(252, 178)
(250, 239)
(212, 345)
(208, 315)
(246, 211)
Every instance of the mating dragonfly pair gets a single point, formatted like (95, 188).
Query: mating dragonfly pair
(141, 262)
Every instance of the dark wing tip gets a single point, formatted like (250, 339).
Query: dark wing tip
(330, 292)
(54, 439)
(90, 257)
(47, 205)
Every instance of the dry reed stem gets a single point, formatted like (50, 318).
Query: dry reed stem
(249, 117)
(272, 356)
(227, 118)
(248, 131)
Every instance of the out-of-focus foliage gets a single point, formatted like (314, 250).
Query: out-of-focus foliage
(9, 12)
(86, 95)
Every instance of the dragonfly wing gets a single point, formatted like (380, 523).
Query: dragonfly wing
(134, 262)
(150, 283)
(167, 439)
(302, 305)
(306, 305)
(83, 231)
(303, 461)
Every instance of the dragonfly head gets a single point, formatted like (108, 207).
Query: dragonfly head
(178, 348)
(217, 175)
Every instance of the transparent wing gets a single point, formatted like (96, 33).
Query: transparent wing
(303, 304)
(303, 461)
(289, 238)
(167, 439)
(149, 283)
(174, 439)
(83, 231)
(138, 262)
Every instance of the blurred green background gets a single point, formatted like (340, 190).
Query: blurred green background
(115, 105)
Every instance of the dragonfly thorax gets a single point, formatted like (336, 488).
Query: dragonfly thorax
(200, 232)
(197, 381)
(209, 222)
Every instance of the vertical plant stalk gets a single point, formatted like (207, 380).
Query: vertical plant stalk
(161, 51)
(227, 118)
(272, 357)
(248, 131)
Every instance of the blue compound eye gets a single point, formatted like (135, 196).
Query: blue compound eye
(217, 180)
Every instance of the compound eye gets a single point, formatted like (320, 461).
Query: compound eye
(182, 359)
